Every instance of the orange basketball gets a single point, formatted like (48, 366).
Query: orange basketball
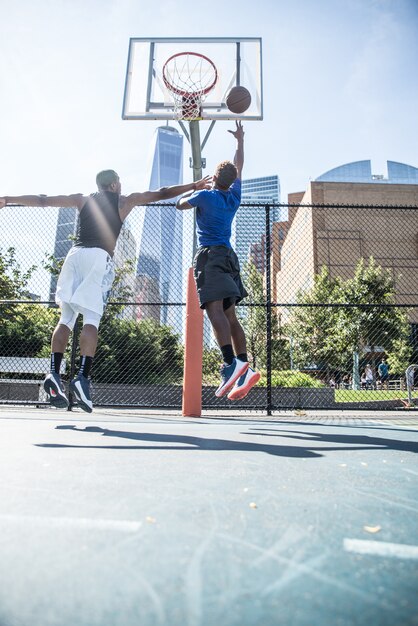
(238, 99)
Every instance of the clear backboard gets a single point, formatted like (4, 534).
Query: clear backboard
(212, 65)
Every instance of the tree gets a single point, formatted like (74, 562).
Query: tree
(312, 328)
(330, 335)
(384, 326)
(13, 281)
(134, 352)
(210, 366)
(254, 319)
(24, 329)
(27, 332)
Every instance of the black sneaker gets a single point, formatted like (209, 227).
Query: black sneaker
(229, 374)
(80, 387)
(54, 388)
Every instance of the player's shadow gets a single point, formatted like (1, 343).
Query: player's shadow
(180, 442)
(187, 442)
(361, 442)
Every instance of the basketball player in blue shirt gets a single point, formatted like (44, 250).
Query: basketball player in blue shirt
(87, 273)
(217, 271)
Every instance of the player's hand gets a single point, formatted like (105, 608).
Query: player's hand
(238, 132)
(2, 202)
(203, 183)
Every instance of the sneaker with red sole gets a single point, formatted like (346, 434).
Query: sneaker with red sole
(229, 375)
(244, 384)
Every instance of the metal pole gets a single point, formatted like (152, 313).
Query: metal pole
(197, 166)
(268, 310)
(74, 344)
(408, 372)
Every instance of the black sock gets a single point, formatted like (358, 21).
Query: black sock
(243, 357)
(56, 358)
(227, 353)
(85, 367)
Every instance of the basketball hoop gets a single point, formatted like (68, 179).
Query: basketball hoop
(189, 76)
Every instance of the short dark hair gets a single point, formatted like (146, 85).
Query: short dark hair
(105, 178)
(225, 173)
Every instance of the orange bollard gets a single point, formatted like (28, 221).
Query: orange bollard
(193, 352)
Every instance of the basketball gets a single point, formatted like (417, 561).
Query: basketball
(238, 99)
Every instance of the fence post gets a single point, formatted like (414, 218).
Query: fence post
(193, 352)
(74, 344)
(268, 310)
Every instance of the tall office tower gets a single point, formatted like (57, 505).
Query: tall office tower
(160, 258)
(66, 229)
(125, 287)
(250, 222)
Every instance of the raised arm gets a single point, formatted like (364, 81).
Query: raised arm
(165, 193)
(239, 153)
(74, 200)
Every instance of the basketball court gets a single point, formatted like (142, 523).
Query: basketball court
(126, 517)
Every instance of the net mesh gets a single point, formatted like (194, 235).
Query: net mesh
(189, 77)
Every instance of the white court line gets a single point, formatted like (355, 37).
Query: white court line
(381, 548)
(75, 522)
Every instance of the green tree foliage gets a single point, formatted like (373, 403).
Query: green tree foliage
(290, 378)
(24, 329)
(400, 356)
(13, 281)
(312, 328)
(27, 332)
(331, 335)
(254, 318)
(211, 361)
(375, 326)
(137, 352)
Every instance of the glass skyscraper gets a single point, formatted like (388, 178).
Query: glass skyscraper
(250, 222)
(160, 257)
(66, 229)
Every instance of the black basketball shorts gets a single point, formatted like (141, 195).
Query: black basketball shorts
(217, 275)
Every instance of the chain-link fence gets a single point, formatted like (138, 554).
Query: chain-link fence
(331, 319)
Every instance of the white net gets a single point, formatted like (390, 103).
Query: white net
(189, 77)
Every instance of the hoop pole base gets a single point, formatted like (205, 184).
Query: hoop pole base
(193, 352)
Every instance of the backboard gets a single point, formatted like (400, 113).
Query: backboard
(234, 61)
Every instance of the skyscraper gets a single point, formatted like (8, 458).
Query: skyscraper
(160, 258)
(125, 287)
(66, 229)
(250, 222)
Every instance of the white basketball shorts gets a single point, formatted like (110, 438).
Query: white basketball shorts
(85, 280)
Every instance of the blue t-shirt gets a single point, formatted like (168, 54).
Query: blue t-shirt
(383, 369)
(215, 210)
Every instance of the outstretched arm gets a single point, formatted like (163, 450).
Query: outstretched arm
(239, 154)
(165, 193)
(74, 200)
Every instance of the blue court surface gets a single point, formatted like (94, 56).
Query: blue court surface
(146, 518)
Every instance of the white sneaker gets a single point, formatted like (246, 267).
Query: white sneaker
(230, 374)
(244, 384)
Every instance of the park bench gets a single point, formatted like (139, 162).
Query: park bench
(24, 389)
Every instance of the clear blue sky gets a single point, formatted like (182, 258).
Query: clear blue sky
(340, 84)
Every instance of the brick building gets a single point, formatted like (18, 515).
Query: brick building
(339, 237)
